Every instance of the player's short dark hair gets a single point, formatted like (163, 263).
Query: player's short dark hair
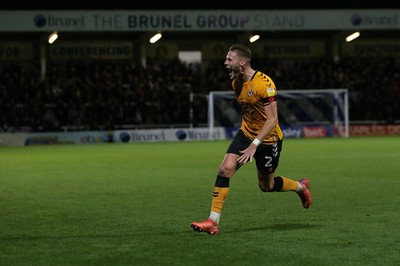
(242, 50)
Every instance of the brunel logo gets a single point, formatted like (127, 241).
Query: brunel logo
(41, 21)
(356, 19)
(181, 135)
(379, 20)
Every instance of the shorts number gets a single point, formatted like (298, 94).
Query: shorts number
(269, 160)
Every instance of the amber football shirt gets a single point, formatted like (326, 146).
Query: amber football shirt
(255, 94)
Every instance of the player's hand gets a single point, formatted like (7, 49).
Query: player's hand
(247, 154)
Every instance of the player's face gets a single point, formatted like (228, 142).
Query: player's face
(232, 63)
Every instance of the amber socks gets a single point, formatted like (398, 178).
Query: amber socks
(220, 193)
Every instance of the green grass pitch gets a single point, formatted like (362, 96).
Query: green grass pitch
(132, 204)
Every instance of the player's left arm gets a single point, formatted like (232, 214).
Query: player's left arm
(271, 110)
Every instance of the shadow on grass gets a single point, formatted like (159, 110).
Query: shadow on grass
(271, 227)
(278, 227)
(133, 234)
(64, 237)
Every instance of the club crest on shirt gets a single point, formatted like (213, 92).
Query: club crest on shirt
(271, 92)
(250, 93)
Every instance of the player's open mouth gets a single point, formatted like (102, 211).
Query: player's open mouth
(230, 73)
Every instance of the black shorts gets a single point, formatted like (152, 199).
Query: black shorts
(266, 156)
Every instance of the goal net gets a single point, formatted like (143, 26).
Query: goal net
(302, 113)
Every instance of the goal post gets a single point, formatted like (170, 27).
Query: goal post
(319, 112)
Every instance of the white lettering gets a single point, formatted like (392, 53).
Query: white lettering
(141, 137)
(292, 132)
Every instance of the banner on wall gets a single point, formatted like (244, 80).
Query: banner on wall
(290, 49)
(200, 20)
(91, 50)
(171, 134)
(79, 137)
(367, 48)
(180, 134)
(16, 51)
(375, 130)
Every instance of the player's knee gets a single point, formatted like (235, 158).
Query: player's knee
(226, 170)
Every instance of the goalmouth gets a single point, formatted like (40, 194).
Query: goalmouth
(302, 113)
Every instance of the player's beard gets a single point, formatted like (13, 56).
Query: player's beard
(238, 85)
(234, 71)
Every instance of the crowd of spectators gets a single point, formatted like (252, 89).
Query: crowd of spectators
(100, 95)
